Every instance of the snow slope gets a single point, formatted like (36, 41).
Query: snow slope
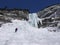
(27, 35)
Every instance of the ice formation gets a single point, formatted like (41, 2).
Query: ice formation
(34, 20)
(27, 34)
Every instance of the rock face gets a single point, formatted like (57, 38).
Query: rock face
(14, 13)
(51, 15)
(7, 14)
(49, 11)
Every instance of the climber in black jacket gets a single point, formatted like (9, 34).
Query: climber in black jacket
(16, 29)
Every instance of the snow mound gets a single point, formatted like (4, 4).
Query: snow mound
(27, 35)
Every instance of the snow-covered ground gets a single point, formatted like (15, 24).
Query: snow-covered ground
(27, 35)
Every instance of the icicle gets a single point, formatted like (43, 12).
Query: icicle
(40, 20)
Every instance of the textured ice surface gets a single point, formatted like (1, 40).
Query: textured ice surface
(27, 35)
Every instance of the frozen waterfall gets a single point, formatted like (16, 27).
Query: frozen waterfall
(34, 20)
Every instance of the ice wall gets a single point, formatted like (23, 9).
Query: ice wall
(34, 20)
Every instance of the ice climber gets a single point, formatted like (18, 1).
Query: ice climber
(16, 29)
